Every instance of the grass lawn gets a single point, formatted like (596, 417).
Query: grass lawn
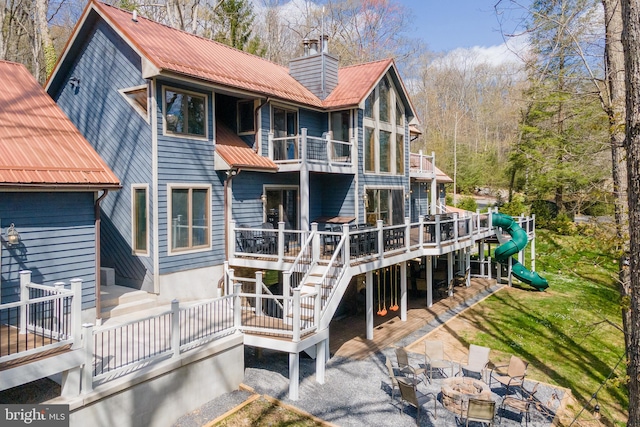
(566, 333)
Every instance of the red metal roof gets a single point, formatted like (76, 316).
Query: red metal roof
(177, 51)
(237, 154)
(39, 146)
(355, 83)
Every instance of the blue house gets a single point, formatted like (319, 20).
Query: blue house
(230, 161)
(51, 185)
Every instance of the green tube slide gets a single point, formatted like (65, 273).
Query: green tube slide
(516, 244)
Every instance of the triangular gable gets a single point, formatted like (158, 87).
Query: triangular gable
(39, 146)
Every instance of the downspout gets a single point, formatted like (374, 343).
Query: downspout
(227, 215)
(96, 214)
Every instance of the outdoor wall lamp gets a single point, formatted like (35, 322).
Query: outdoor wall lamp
(264, 198)
(365, 199)
(13, 237)
(74, 82)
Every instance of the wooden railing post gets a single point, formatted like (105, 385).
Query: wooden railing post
(281, 241)
(286, 292)
(25, 281)
(456, 226)
(438, 231)
(87, 368)
(421, 231)
(258, 293)
(230, 279)
(296, 315)
(175, 328)
(76, 312)
(346, 248)
(303, 145)
(407, 233)
(380, 225)
(237, 319)
(270, 148)
(329, 147)
(58, 313)
(315, 242)
(317, 306)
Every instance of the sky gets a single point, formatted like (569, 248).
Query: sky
(449, 24)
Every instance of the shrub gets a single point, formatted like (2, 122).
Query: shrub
(467, 203)
(515, 207)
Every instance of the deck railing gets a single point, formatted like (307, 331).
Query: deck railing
(45, 318)
(298, 149)
(422, 163)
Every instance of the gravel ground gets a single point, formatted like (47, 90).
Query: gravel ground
(357, 392)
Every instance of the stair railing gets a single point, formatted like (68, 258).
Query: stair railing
(300, 269)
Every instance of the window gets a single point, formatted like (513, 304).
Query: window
(285, 131)
(384, 150)
(185, 113)
(399, 154)
(140, 220)
(246, 117)
(369, 150)
(282, 205)
(340, 121)
(385, 101)
(138, 97)
(190, 213)
(386, 205)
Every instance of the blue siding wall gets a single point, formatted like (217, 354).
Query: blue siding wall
(247, 188)
(119, 134)
(188, 161)
(57, 241)
(331, 195)
(316, 123)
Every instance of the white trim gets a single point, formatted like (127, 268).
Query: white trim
(144, 114)
(185, 135)
(154, 167)
(189, 186)
(135, 187)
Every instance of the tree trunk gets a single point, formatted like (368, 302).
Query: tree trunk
(631, 44)
(45, 37)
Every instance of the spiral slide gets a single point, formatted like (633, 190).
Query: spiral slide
(516, 244)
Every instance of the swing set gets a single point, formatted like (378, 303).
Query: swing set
(382, 294)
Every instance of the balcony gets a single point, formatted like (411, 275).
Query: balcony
(421, 166)
(318, 154)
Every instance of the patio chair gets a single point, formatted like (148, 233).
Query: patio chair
(481, 410)
(405, 366)
(462, 278)
(411, 396)
(436, 358)
(521, 405)
(392, 377)
(514, 376)
(476, 361)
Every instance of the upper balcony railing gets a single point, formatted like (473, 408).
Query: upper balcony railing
(422, 165)
(321, 154)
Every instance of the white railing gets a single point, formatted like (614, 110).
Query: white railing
(45, 318)
(422, 163)
(302, 148)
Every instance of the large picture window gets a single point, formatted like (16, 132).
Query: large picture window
(246, 117)
(190, 214)
(384, 139)
(140, 220)
(185, 113)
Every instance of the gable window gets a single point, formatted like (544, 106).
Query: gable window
(190, 216)
(138, 97)
(140, 208)
(386, 205)
(185, 113)
(384, 150)
(246, 117)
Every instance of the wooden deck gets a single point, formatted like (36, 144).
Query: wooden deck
(11, 342)
(348, 335)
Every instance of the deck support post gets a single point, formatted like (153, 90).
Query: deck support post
(294, 375)
(429, 276)
(467, 262)
(369, 303)
(320, 361)
(70, 384)
(433, 193)
(403, 291)
(76, 313)
(258, 293)
(450, 269)
(25, 280)
(481, 257)
(304, 183)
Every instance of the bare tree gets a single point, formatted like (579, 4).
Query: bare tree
(631, 46)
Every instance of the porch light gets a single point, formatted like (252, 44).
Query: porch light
(264, 198)
(13, 237)
(365, 199)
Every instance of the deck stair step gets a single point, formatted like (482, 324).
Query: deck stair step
(119, 300)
